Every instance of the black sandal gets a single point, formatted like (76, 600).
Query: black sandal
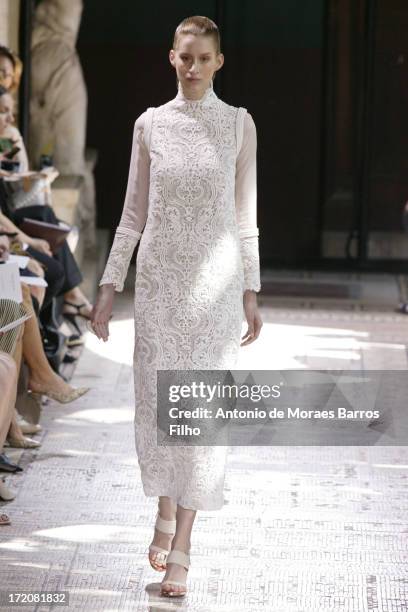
(78, 309)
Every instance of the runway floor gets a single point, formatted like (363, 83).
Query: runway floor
(315, 528)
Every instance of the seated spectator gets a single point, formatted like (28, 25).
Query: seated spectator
(10, 73)
(63, 278)
(42, 378)
(33, 267)
(11, 69)
(62, 273)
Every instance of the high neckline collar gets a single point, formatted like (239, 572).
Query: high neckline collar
(206, 97)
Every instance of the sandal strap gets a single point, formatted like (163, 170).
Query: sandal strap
(155, 548)
(179, 557)
(165, 526)
(78, 306)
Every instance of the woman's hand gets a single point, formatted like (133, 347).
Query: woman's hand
(102, 311)
(253, 318)
(40, 245)
(35, 267)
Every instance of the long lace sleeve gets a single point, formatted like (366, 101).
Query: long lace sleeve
(246, 203)
(134, 212)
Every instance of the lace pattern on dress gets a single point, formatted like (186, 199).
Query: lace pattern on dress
(196, 175)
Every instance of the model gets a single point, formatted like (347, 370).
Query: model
(191, 201)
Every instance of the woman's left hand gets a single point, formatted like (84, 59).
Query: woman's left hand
(253, 318)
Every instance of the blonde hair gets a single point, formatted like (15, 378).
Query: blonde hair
(17, 66)
(198, 26)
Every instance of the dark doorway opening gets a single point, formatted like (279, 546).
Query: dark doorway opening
(326, 82)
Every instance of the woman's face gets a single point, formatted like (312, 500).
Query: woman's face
(6, 72)
(195, 60)
(6, 112)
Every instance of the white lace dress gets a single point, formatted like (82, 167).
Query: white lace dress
(191, 201)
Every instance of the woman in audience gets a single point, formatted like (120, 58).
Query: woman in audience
(33, 268)
(42, 378)
(63, 275)
(10, 69)
(28, 343)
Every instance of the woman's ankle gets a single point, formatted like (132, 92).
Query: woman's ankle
(167, 509)
(181, 544)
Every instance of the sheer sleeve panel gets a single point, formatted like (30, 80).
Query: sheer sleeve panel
(246, 205)
(134, 212)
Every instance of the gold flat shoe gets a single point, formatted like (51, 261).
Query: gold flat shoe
(62, 398)
(23, 443)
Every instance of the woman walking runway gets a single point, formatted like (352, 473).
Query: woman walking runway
(191, 202)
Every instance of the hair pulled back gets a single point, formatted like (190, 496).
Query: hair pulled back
(198, 26)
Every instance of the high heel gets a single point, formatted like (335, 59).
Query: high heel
(62, 398)
(178, 558)
(164, 526)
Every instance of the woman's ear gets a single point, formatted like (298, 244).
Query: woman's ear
(171, 56)
(220, 59)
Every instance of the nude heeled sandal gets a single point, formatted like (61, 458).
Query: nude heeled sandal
(159, 561)
(179, 558)
(63, 398)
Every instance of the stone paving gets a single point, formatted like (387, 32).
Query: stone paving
(305, 528)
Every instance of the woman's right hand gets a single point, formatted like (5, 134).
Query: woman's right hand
(102, 311)
(40, 245)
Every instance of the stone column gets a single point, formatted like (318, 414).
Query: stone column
(58, 105)
(9, 22)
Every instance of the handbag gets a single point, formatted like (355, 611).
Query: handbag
(53, 234)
